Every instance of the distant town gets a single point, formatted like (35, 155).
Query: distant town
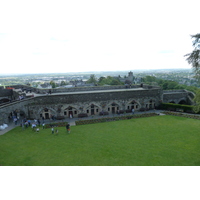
(85, 79)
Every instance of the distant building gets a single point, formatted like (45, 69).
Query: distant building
(129, 78)
(45, 86)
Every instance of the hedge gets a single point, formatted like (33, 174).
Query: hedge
(177, 107)
(57, 124)
(108, 119)
(192, 116)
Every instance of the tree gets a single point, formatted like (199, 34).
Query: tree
(194, 57)
(92, 79)
(63, 83)
(196, 107)
(53, 84)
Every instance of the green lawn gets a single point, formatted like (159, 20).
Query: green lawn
(154, 141)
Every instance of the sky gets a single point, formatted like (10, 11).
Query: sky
(95, 35)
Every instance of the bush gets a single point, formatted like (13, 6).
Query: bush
(56, 124)
(177, 107)
(182, 115)
(108, 119)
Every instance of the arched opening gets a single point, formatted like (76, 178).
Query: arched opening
(113, 108)
(19, 114)
(70, 112)
(182, 102)
(92, 109)
(133, 105)
(171, 102)
(150, 104)
(46, 113)
(4, 100)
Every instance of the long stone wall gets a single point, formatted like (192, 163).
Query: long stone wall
(84, 102)
(91, 102)
(177, 96)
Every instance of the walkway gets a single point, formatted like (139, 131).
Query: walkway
(72, 121)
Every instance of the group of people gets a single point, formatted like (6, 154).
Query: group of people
(56, 130)
(35, 124)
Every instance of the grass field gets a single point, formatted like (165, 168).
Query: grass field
(154, 141)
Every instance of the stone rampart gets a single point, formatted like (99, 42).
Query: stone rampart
(177, 96)
(75, 102)
(92, 102)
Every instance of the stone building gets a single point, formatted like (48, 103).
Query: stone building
(89, 101)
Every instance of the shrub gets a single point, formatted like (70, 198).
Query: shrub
(58, 124)
(177, 107)
(108, 119)
(192, 116)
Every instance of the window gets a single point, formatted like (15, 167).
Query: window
(87, 111)
(97, 110)
(108, 109)
(75, 112)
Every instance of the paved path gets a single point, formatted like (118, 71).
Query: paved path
(72, 121)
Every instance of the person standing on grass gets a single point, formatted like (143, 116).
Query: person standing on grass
(38, 121)
(22, 125)
(29, 122)
(133, 111)
(52, 130)
(68, 128)
(43, 125)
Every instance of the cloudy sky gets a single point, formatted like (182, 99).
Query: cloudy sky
(95, 35)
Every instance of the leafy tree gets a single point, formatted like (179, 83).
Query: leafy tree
(197, 102)
(194, 57)
(172, 84)
(92, 79)
(53, 84)
(115, 82)
(109, 81)
(63, 83)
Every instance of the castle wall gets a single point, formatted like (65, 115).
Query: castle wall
(91, 103)
(176, 96)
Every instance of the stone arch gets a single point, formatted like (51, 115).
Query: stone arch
(172, 101)
(93, 109)
(133, 104)
(46, 112)
(150, 104)
(4, 100)
(70, 111)
(182, 101)
(113, 107)
(19, 113)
